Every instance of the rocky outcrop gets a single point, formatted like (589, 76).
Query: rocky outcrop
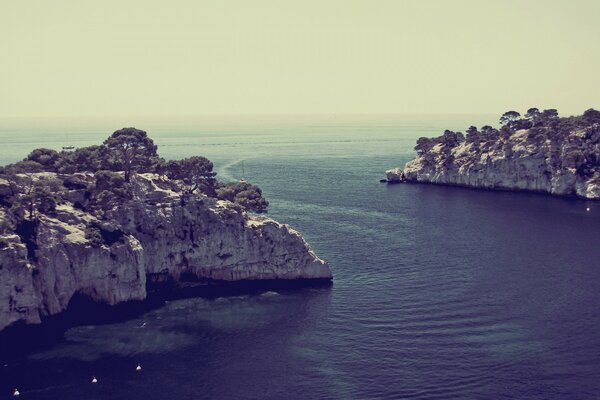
(528, 159)
(394, 175)
(159, 235)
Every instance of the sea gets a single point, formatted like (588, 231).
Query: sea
(438, 292)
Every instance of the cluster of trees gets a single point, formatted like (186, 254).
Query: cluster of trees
(113, 164)
(129, 150)
(534, 118)
(541, 125)
(196, 174)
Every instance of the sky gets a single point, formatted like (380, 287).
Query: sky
(232, 57)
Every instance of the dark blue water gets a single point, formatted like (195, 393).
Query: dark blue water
(439, 292)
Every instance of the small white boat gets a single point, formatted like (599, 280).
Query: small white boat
(16, 393)
(94, 380)
(68, 147)
(138, 368)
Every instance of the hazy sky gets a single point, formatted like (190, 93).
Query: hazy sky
(175, 57)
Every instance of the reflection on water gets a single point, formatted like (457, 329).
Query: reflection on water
(184, 338)
(172, 327)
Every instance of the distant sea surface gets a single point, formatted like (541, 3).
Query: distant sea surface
(439, 292)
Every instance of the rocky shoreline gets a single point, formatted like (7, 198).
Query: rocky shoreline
(559, 156)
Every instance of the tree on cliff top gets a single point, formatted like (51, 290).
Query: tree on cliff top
(45, 157)
(195, 172)
(509, 118)
(245, 194)
(424, 144)
(592, 115)
(131, 150)
(452, 139)
(84, 159)
(534, 116)
(550, 113)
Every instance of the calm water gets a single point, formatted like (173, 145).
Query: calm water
(439, 292)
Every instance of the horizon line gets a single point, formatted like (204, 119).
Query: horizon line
(259, 115)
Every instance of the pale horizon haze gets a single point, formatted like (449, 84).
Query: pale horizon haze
(225, 57)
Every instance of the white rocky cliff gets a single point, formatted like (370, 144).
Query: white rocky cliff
(540, 160)
(159, 235)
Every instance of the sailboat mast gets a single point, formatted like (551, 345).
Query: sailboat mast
(243, 180)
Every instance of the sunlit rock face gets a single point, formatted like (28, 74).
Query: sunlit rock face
(523, 161)
(159, 235)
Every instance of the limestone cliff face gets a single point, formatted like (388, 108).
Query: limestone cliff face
(522, 161)
(158, 235)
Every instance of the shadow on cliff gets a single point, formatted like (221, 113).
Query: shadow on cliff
(21, 339)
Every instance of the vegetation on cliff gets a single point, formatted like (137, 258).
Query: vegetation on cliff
(538, 151)
(99, 178)
(541, 125)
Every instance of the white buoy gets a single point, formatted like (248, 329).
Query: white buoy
(16, 393)
(587, 209)
(94, 380)
(138, 368)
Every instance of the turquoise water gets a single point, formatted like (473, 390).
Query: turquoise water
(439, 292)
